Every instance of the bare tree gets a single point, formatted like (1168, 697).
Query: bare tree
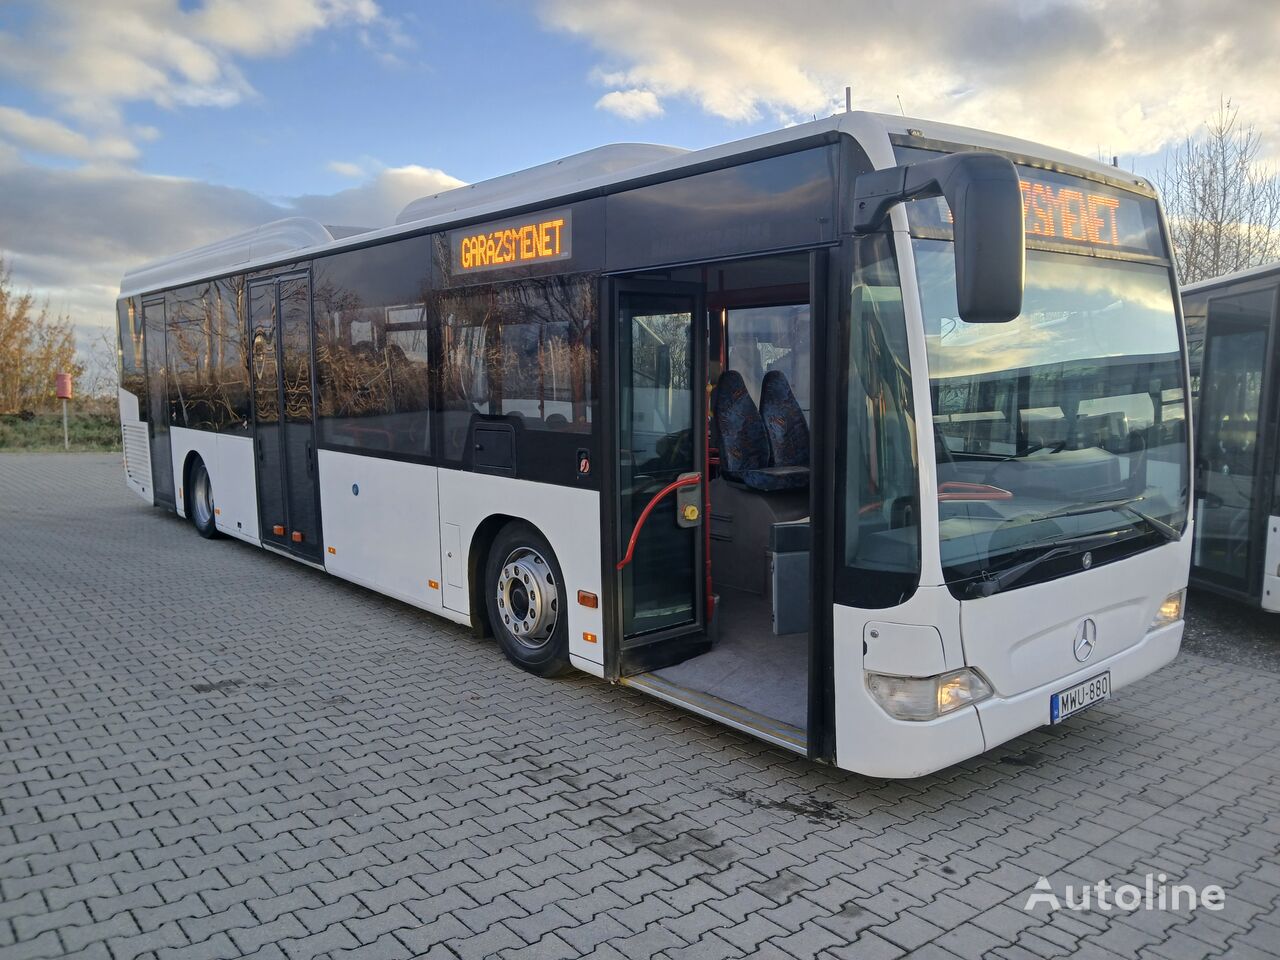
(100, 376)
(1223, 204)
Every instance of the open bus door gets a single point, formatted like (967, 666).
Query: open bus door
(655, 549)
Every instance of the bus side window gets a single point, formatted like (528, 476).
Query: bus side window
(521, 349)
(373, 348)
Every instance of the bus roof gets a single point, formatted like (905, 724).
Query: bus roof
(1249, 273)
(604, 169)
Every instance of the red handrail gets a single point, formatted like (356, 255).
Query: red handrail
(644, 514)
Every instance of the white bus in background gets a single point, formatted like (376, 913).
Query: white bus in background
(867, 437)
(1234, 348)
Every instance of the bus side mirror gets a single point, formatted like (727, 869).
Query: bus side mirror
(985, 197)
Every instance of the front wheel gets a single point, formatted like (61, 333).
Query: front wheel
(526, 600)
(200, 504)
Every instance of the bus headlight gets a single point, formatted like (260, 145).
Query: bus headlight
(927, 698)
(1170, 611)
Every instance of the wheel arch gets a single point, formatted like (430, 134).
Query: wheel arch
(478, 555)
(188, 464)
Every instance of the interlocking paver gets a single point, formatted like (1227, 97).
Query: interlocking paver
(207, 751)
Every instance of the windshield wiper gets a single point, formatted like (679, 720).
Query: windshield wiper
(1169, 532)
(1166, 530)
(994, 583)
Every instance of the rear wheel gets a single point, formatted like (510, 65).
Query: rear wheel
(200, 502)
(525, 596)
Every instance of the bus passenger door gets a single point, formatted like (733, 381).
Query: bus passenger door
(659, 422)
(288, 489)
(1232, 495)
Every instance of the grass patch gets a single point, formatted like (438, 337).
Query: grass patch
(88, 432)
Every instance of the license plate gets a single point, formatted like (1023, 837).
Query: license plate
(1080, 697)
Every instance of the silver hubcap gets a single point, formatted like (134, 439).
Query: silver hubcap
(528, 600)
(202, 497)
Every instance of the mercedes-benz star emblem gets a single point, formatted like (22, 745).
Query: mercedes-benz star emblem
(1086, 639)
(1087, 560)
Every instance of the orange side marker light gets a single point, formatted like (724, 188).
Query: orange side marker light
(589, 637)
(433, 584)
(588, 599)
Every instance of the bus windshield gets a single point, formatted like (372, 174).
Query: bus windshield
(1061, 433)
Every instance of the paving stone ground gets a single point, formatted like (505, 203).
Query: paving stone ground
(210, 751)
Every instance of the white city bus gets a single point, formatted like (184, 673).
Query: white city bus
(1235, 378)
(867, 437)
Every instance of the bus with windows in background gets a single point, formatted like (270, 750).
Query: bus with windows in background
(867, 437)
(1235, 384)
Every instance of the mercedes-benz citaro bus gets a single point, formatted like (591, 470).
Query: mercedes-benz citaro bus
(868, 437)
(1234, 351)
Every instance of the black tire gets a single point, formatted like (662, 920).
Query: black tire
(521, 603)
(199, 501)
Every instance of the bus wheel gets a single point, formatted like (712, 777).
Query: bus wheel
(200, 503)
(526, 601)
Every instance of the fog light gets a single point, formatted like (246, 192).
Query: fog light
(926, 698)
(1170, 611)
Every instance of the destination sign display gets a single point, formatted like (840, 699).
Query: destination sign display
(1074, 215)
(537, 238)
(1060, 209)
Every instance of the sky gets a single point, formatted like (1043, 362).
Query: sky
(133, 129)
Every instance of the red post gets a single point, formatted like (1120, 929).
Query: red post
(63, 386)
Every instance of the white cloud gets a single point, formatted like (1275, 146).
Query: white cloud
(45, 135)
(375, 202)
(90, 59)
(345, 169)
(1113, 75)
(71, 234)
(631, 104)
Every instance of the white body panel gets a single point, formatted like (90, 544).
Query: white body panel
(386, 536)
(1026, 658)
(1271, 570)
(1023, 638)
(569, 518)
(235, 491)
(230, 462)
(868, 740)
(136, 442)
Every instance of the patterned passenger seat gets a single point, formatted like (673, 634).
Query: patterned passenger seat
(784, 421)
(744, 443)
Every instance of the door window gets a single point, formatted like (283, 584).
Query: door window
(1230, 412)
(658, 442)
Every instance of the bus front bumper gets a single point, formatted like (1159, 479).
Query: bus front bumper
(1003, 718)
(899, 749)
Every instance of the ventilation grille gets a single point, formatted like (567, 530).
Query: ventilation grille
(137, 454)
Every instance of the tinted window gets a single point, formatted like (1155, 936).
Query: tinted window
(880, 472)
(1231, 434)
(373, 348)
(770, 204)
(209, 373)
(188, 352)
(761, 339)
(133, 368)
(521, 350)
(229, 361)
